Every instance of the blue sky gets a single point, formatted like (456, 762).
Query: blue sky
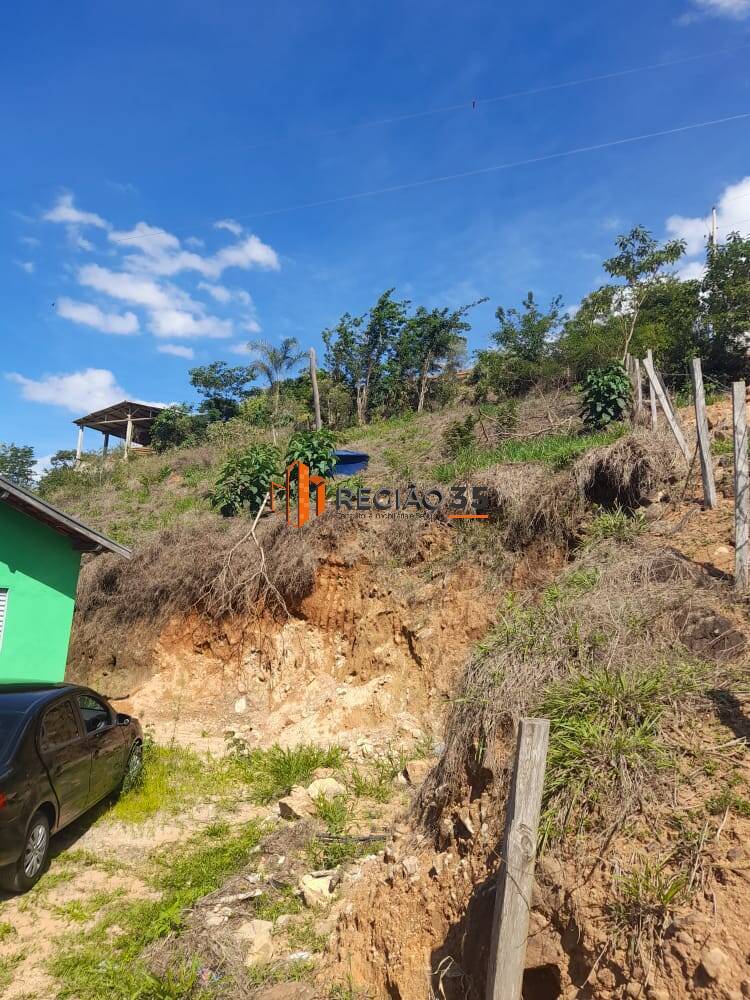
(157, 158)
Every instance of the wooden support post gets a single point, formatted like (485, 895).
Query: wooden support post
(741, 488)
(128, 436)
(105, 446)
(316, 396)
(651, 394)
(704, 442)
(79, 445)
(638, 390)
(674, 424)
(515, 880)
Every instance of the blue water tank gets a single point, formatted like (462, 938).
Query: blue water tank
(349, 462)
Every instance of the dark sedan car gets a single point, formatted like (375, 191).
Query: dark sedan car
(63, 748)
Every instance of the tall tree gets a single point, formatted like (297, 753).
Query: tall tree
(274, 363)
(223, 387)
(640, 264)
(433, 341)
(725, 307)
(17, 464)
(358, 345)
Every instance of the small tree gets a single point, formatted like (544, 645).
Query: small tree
(17, 464)
(274, 363)
(175, 427)
(245, 479)
(315, 449)
(640, 263)
(434, 342)
(222, 387)
(605, 395)
(526, 339)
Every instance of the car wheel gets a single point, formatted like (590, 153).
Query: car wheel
(133, 768)
(27, 871)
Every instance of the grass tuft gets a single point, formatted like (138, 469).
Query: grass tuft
(272, 773)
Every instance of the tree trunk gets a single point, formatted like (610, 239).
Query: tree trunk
(423, 384)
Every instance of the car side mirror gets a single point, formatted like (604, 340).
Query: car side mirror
(122, 719)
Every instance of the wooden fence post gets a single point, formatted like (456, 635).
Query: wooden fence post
(638, 390)
(704, 442)
(316, 395)
(741, 486)
(651, 394)
(674, 424)
(515, 879)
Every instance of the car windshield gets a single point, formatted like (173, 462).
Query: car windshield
(10, 723)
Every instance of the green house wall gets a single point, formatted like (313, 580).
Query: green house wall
(39, 568)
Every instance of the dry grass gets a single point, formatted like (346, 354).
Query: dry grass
(600, 655)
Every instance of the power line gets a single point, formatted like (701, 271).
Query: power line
(412, 185)
(480, 101)
(501, 166)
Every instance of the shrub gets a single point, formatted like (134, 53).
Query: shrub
(256, 411)
(606, 395)
(315, 449)
(459, 436)
(176, 426)
(272, 773)
(245, 479)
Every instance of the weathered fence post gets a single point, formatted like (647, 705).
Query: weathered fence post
(651, 394)
(741, 485)
(316, 395)
(515, 879)
(638, 390)
(704, 442)
(661, 395)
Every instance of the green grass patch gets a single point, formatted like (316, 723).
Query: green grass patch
(105, 962)
(272, 773)
(645, 898)
(172, 778)
(617, 524)
(303, 936)
(557, 450)
(271, 906)
(266, 974)
(604, 738)
(375, 779)
(336, 813)
(7, 930)
(7, 968)
(82, 911)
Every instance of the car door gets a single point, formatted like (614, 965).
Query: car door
(107, 743)
(66, 754)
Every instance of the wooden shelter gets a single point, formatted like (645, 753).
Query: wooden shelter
(128, 420)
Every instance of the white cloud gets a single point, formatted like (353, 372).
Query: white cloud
(693, 270)
(219, 292)
(181, 324)
(76, 240)
(161, 254)
(25, 265)
(242, 349)
(65, 211)
(135, 289)
(251, 325)
(79, 392)
(91, 315)
(193, 241)
(732, 214)
(29, 241)
(178, 350)
(41, 465)
(234, 227)
(737, 10)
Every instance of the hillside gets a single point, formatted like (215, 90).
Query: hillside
(598, 593)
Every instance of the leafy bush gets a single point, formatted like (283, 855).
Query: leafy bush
(459, 435)
(315, 449)
(605, 395)
(256, 410)
(272, 773)
(176, 426)
(503, 415)
(245, 479)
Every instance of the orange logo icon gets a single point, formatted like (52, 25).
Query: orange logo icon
(304, 482)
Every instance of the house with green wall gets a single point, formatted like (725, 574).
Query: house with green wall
(40, 559)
